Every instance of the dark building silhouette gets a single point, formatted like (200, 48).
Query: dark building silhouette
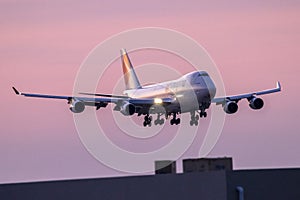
(214, 183)
(165, 167)
(207, 164)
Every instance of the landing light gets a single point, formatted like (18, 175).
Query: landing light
(158, 101)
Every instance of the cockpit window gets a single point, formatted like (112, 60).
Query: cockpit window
(202, 74)
(197, 79)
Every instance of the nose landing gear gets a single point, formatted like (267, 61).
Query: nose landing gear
(194, 119)
(158, 120)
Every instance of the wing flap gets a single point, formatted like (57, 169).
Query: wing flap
(104, 95)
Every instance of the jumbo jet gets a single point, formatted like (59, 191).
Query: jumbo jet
(168, 99)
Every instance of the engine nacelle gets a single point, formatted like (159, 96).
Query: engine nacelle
(77, 106)
(127, 109)
(256, 103)
(230, 107)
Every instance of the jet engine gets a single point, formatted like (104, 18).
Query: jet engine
(256, 103)
(127, 109)
(77, 106)
(230, 107)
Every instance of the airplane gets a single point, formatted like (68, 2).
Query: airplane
(163, 98)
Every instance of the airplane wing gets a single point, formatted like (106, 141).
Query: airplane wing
(102, 101)
(236, 98)
(85, 99)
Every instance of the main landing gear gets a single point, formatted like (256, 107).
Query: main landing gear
(174, 120)
(203, 114)
(147, 120)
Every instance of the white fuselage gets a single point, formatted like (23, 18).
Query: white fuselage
(193, 90)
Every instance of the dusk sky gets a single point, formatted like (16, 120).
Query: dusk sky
(43, 44)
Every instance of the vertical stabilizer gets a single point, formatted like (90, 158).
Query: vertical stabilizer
(131, 80)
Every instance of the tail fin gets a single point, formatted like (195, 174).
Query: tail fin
(131, 80)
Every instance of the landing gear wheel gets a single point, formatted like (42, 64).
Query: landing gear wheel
(195, 118)
(147, 120)
(196, 123)
(175, 120)
(203, 114)
(161, 121)
(158, 120)
(172, 121)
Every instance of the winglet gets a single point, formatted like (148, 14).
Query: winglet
(278, 85)
(16, 91)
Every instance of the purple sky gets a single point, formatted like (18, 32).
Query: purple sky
(43, 44)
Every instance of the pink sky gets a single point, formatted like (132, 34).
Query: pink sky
(43, 44)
